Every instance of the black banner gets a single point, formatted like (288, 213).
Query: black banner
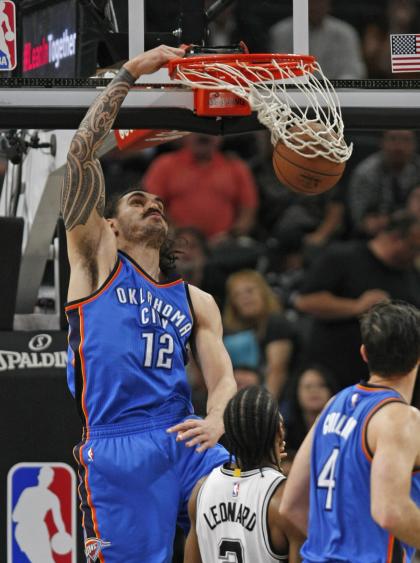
(39, 420)
(49, 41)
(33, 352)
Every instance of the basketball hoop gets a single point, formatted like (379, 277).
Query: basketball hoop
(312, 128)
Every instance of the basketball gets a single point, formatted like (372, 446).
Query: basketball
(9, 36)
(306, 175)
(61, 543)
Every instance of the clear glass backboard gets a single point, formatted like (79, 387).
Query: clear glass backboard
(57, 51)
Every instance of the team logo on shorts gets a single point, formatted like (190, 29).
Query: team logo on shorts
(41, 513)
(7, 35)
(94, 546)
(235, 490)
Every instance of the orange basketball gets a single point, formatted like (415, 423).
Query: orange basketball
(310, 176)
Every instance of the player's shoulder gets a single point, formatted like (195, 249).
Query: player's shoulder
(398, 414)
(277, 487)
(200, 298)
(413, 415)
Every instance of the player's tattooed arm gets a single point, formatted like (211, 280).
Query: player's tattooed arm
(84, 186)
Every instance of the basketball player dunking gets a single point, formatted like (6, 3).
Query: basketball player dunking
(357, 473)
(129, 329)
(235, 511)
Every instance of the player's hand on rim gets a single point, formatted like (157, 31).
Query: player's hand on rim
(151, 61)
(203, 433)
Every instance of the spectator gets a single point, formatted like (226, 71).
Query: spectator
(204, 188)
(380, 184)
(285, 214)
(413, 207)
(311, 392)
(334, 42)
(192, 253)
(222, 28)
(208, 267)
(257, 334)
(285, 269)
(346, 281)
(246, 377)
(413, 202)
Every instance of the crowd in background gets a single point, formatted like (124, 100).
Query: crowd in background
(349, 39)
(290, 273)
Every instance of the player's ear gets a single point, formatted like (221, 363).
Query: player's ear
(363, 353)
(281, 434)
(113, 224)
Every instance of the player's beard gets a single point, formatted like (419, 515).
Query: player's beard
(152, 234)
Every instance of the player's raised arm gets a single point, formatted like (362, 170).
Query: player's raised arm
(217, 371)
(83, 195)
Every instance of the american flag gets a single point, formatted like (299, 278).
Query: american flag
(405, 52)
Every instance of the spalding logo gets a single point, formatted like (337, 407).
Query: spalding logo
(94, 546)
(40, 342)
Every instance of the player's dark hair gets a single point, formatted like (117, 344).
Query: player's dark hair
(111, 207)
(166, 253)
(251, 422)
(391, 335)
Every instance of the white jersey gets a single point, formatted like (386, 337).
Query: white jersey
(232, 515)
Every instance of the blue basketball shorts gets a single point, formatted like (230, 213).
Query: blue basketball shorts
(134, 484)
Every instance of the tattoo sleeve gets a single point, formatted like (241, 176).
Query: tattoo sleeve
(83, 186)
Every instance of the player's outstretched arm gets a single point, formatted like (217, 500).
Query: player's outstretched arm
(192, 550)
(294, 506)
(216, 367)
(284, 536)
(394, 437)
(83, 193)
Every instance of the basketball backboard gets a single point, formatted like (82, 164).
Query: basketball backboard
(62, 47)
(62, 44)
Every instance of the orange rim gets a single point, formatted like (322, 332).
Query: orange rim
(298, 64)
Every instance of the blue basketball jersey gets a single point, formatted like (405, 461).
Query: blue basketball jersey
(341, 527)
(128, 348)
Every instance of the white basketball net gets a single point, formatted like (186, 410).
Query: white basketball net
(306, 119)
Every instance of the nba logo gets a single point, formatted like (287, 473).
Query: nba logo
(7, 35)
(235, 490)
(41, 513)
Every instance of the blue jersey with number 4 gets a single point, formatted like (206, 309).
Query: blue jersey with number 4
(128, 347)
(341, 527)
